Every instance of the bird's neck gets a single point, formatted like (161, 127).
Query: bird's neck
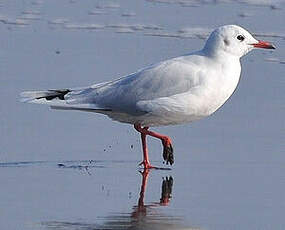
(219, 54)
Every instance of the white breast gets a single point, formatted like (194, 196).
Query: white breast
(205, 98)
(218, 87)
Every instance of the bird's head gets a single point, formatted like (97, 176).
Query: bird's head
(234, 40)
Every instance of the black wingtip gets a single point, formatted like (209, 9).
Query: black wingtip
(58, 93)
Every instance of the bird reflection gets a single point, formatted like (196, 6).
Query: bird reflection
(142, 217)
(146, 216)
(140, 212)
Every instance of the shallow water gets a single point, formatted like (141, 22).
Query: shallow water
(69, 170)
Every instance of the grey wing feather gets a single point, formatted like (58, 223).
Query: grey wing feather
(165, 79)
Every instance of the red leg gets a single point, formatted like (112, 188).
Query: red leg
(145, 161)
(167, 146)
(166, 142)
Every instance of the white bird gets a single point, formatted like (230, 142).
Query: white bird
(176, 91)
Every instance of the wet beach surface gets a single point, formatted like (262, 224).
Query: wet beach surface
(70, 170)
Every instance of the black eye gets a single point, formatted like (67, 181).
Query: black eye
(240, 37)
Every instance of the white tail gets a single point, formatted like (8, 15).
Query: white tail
(31, 96)
(56, 100)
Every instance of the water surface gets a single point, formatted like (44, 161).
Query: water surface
(70, 170)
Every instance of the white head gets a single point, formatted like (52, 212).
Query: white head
(233, 40)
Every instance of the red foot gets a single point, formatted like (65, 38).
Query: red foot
(147, 165)
(166, 141)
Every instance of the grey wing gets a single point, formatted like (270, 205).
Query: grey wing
(165, 79)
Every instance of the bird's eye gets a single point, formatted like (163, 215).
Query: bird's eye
(240, 37)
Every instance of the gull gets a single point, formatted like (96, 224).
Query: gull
(175, 91)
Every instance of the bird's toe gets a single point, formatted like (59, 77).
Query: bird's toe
(168, 154)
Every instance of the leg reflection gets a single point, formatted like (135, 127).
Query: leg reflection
(166, 191)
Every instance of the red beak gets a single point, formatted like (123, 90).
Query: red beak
(264, 45)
